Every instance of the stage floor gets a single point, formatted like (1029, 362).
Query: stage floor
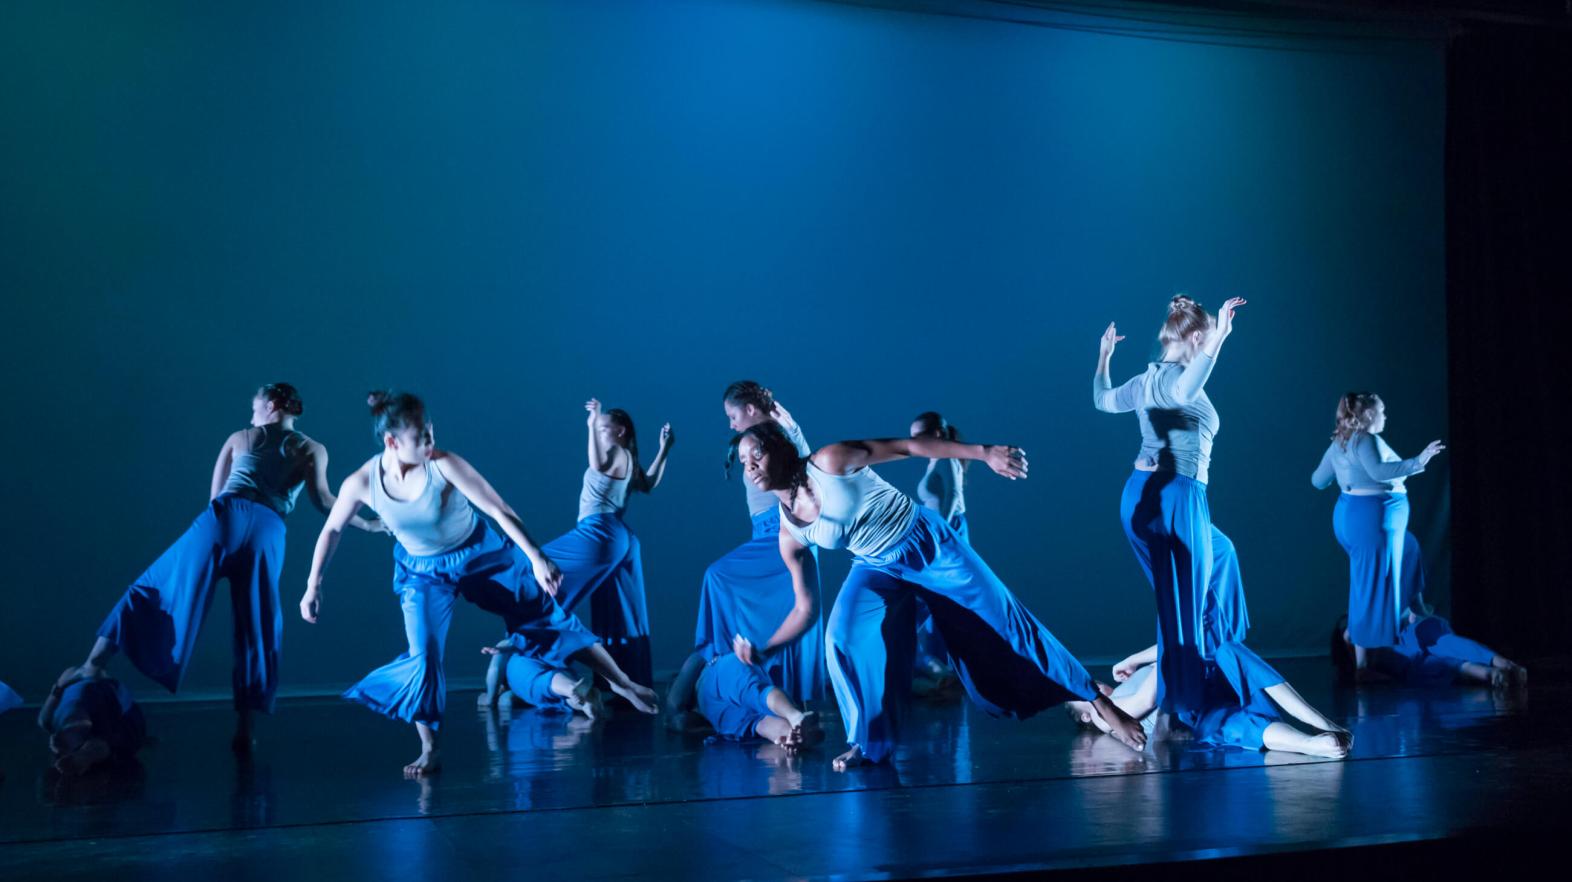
(323, 796)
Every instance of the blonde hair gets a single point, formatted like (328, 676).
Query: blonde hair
(1353, 415)
(1185, 317)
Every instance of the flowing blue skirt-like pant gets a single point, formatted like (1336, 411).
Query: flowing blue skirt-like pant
(156, 622)
(601, 562)
(931, 654)
(749, 592)
(1169, 526)
(1373, 530)
(488, 571)
(1007, 660)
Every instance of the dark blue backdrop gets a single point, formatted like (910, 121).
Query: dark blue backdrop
(510, 207)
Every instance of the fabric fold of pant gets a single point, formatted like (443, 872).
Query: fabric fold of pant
(1373, 530)
(1169, 526)
(1010, 664)
(493, 574)
(749, 592)
(601, 562)
(156, 622)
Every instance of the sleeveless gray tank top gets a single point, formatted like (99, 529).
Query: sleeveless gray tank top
(603, 494)
(437, 520)
(860, 512)
(272, 468)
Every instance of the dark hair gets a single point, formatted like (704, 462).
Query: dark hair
(622, 419)
(1342, 653)
(284, 398)
(394, 412)
(746, 392)
(933, 421)
(787, 466)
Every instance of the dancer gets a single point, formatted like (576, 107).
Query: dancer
(749, 593)
(742, 704)
(599, 558)
(428, 497)
(943, 489)
(240, 537)
(513, 676)
(1371, 518)
(1164, 508)
(91, 720)
(1427, 653)
(1244, 699)
(1006, 659)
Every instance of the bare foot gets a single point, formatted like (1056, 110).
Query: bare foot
(642, 698)
(429, 763)
(806, 733)
(848, 760)
(585, 698)
(1120, 724)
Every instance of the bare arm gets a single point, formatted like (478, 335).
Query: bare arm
(226, 459)
(480, 493)
(657, 469)
(1324, 474)
(1193, 379)
(803, 568)
(353, 493)
(848, 456)
(599, 451)
(322, 494)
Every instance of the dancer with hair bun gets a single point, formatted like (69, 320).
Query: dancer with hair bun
(428, 498)
(1371, 520)
(240, 537)
(1164, 508)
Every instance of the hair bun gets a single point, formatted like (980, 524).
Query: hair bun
(1181, 302)
(376, 400)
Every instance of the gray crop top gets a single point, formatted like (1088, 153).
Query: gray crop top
(1178, 421)
(1366, 463)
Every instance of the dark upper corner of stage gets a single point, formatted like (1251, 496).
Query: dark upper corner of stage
(323, 796)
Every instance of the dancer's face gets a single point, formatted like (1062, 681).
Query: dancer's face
(742, 417)
(412, 446)
(609, 432)
(755, 463)
(1378, 418)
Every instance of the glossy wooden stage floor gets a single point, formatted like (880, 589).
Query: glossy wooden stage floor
(554, 798)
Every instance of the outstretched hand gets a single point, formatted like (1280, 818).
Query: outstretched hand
(1225, 316)
(1111, 338)
(666, 437)
(1430, 451)
(1009, 462)
(593, 406)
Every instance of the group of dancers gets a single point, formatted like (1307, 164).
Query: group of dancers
(919, 606)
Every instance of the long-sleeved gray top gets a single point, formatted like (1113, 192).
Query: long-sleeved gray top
(1364, 463)
(1178, 421)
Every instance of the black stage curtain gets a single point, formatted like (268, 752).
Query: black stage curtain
(1509, 328)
